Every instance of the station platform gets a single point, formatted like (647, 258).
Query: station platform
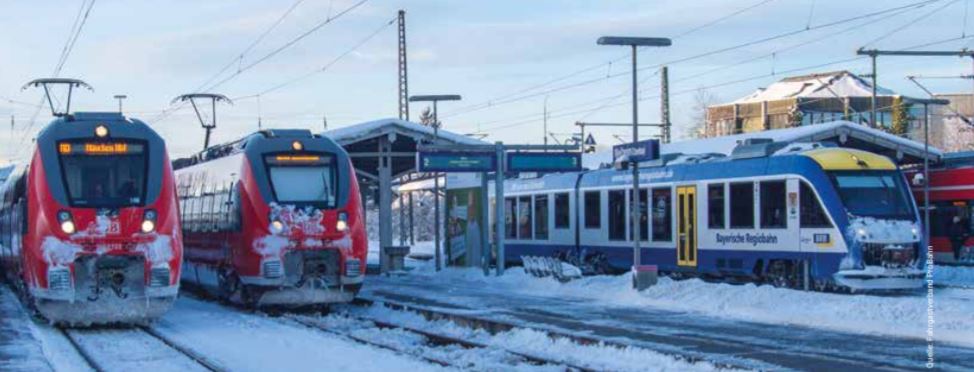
(19, 349)
(692, 336)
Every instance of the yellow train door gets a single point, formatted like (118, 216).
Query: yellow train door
(686, 221)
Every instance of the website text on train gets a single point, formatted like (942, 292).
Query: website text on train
(796, 215)
(274, 218)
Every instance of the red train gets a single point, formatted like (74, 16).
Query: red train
(951, 194)
(274, 218)
(89, 227)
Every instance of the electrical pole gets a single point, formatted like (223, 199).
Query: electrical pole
(545, 134)
(665, 104)
(873, 53)
(403, 76)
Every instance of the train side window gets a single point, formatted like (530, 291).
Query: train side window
(617, 215)
(773, 214)
(524, 218)
(593, 210)
(742, 205)
(541, 217)
(662, 214)
(562, 211)
(643, 215)
(715, 206)
(812, 214)
(510, 215)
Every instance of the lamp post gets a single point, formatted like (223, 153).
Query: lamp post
(436, 177)
(926, 158)
(120, 97)
(635, 209)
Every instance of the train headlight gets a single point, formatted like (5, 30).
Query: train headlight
(149, 221)
(67, 227)
(67, 223)
(342, 223)
(277, 227)
(101, 131)
(297, 146)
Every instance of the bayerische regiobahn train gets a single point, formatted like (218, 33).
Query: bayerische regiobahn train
(89, 227)
(951, 187)
(801, 215)
(274, 219)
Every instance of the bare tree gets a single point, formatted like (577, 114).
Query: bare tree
(426, 117)
(702, 99)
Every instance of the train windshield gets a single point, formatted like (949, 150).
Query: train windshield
(103, 175)
(879, 194)
(302, 179)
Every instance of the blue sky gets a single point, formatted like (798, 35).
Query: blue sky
(487, 51)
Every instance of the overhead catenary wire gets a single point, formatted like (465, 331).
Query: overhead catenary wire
(506, 100)
(267, 56)
(328, 65)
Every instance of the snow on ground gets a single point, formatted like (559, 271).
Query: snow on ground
(954, 276)
(60, 354)
(903, 315)
(532, 342)
(425, 248)
(249, 342)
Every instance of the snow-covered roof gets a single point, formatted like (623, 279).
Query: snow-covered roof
(375, 128)
(855, 135)
(824, 85)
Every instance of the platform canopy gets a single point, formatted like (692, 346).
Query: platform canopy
(842, 133)
(362, 141)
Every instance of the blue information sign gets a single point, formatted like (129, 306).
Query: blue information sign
(453, 161)
(544, 162)
(637, 151)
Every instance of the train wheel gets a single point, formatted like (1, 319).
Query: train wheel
(781, 274)
(230, 287)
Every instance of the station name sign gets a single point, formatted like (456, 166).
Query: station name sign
(645, 150)
(456, 161)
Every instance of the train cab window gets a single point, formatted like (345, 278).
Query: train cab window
(617, 215)
(643, 215)
(715, 206)
(562, 211)
(103, 175)
(662, 214)
(541, 217)
(742, 205)
(773, 213)
(524, 218)
(812, 214)
(303, 179)
(510, 215)
(593, 210)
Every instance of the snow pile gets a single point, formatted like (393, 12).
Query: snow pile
(98, 228)
(904, 316)
(59, 253)
(537, 343)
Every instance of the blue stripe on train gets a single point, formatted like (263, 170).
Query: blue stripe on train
(710, 261)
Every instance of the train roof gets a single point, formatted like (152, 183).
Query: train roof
(250, 141)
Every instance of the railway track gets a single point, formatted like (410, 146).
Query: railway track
(431, 339)
(92, 355)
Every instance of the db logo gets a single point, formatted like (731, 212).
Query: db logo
(114, 228)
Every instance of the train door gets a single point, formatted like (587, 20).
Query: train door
(686, 225)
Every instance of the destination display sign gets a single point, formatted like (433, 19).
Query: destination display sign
(99, 148)
(297, 159)
(645, 150)
(454, 161)
(544, 162)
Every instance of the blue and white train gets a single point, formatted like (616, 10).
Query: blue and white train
(799, 215)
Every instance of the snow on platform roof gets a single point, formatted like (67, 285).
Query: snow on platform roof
(843, 133)
(824, 85)
(375, 128)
